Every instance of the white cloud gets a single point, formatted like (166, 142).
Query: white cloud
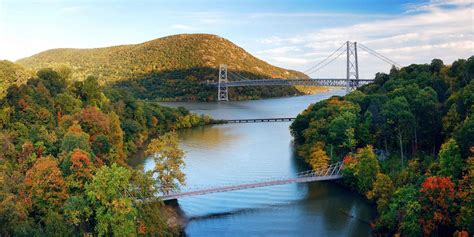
(439, 29)
(315, 15)
(289, 60)
(280, 50)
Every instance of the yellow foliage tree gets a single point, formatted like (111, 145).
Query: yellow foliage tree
(168, 161)
(318, 158)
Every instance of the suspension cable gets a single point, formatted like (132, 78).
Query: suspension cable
(324, 65)
(378, 55)
(315, 66)
(237, 75)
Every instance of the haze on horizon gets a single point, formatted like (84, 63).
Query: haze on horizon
(289, 34)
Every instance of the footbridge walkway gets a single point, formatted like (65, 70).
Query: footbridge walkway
(333, 172)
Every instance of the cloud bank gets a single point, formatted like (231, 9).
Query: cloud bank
(438, 29)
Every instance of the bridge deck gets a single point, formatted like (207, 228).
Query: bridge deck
(250, 185)
(332, 82)
(330, 173)
(259, 120)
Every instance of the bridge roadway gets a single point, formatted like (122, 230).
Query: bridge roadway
(331, 173)
(259, 120)
(331, 82)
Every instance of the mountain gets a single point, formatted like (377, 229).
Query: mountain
(164, 67)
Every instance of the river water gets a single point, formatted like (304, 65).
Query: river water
(236, 153)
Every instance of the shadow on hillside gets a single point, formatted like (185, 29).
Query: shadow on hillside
(188, 85)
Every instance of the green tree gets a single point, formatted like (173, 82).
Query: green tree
(67, 104)
(427, 124)
(75, 138)
(382, 191)
(410, 225)
(436, 65)
(465, 135)
(168, 161)
(114, 210)
(450, 161)
(91, 92)
(367, 168)
(399, 118)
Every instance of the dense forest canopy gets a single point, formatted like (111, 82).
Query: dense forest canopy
(407, 143)
(63, 161)
(11, 74)
(169, 68)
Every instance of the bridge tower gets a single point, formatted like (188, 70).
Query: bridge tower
(352, 66)
(222, 90)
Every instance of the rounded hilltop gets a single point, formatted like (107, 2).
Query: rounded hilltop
(198, 54)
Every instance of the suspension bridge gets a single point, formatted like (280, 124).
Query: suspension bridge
(351, 82)
(333, 172)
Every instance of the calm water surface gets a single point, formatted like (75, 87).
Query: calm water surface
(233, 153)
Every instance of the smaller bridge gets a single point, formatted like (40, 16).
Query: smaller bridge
(259, 120)
(331, 173)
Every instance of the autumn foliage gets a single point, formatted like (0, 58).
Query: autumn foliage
(437, 195)
(60, 176)
(44, 184)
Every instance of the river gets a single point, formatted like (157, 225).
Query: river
(233, 153)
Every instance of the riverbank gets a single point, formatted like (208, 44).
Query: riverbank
(176, 220)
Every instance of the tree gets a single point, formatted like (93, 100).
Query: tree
(465, 197)
(108, 192)
(381, 192)
(116, 139)
(341, 130)
(465, 135)
(367, 168)
(77, 211)
(388, 220)
(45, 185)
(437, 196)
(67, 104)
(80, 169)
(436, 65)
(168, 161)
(318, 158)
(399, 118)
(54, 224)
(75, 138)
(427, 124)
(450, 160)
(52, 80)
(90, 92)
(451, 121)
(410, 225)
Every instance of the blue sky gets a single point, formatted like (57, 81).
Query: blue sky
(290, 34)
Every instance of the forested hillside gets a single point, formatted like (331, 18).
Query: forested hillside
(407, 143)
(169, 68)
(11, 74)
(63, 160)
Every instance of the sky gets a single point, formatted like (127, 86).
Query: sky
(293, 34)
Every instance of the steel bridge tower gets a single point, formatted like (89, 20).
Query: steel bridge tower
(222, 90)
(352, 66)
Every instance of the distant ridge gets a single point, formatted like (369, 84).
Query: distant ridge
(176, 52)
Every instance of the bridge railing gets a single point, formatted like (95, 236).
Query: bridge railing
(332, 171)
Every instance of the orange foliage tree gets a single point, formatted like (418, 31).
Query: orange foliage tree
(44, 184)
(81, 169)
(437, 197)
